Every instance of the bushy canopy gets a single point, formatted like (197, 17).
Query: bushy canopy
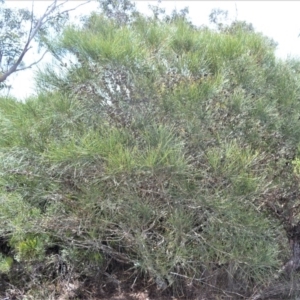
(160, 149)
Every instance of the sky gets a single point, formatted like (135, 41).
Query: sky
(276, 19)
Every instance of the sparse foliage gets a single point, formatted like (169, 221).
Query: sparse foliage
(218, 17)
(19, 29)
(122, 11)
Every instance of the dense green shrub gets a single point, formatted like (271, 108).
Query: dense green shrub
(159, 148)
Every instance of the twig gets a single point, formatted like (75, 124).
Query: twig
(210, 285)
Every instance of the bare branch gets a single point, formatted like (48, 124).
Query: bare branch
(61, 4)
(41, 22)
(31, 22)
(88, 1)
(34, 63)
(4, 76)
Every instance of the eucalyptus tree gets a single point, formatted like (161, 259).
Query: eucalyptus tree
(20, 28)
(121, 11)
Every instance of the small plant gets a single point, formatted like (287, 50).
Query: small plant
(32, 247)
(5, 264)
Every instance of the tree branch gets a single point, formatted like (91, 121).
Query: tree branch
(32, 33)
(34, 63)
(88, 1)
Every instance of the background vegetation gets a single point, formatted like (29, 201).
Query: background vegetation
(161, 155)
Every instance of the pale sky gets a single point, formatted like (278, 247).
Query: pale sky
(276, 19)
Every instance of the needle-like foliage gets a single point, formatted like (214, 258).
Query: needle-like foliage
(162, 150)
